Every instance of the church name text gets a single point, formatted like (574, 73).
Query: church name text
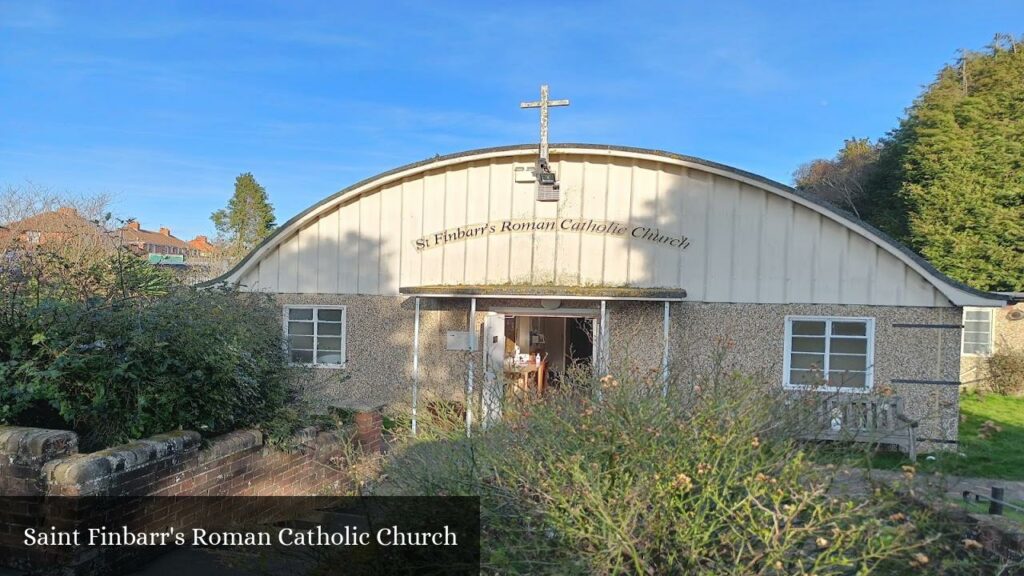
(577, 225)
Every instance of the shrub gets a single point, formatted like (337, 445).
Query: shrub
(115, 350)
(1005, 368)
(704, 480)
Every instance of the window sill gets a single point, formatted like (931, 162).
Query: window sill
(326, 366)
(829, 389)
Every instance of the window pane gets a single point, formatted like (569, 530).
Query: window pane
(804, 377)
(976, 315)
(976, 348)
(328, 315)
(302, 356)
(808, 344)
(849, 345)
(301, 342)
(807, 361)
(328, 357)
(849, 328)
(301, 328)
(840, 363)
(300, 314)
(809, 327)
(328, 329)
(847, 380)
(976, 337)
(976, 326)
(328, 343)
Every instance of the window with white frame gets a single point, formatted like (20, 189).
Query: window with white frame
(829, 353)
(977, 339)
(316, 335)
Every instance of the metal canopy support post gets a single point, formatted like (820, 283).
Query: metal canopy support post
(415, 364)
(603, 337)
(664, 353)
(471, 332)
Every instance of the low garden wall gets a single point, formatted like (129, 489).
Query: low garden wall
(39, 464)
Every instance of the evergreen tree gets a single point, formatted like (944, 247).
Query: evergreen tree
(949, 181)
(248, 218)
(963, 169)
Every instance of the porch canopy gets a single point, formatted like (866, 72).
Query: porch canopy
(513, 291)
(537, 292)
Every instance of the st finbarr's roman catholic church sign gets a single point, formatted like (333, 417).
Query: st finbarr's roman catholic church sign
(578, 225)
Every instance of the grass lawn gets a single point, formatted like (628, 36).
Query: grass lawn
(999, 456)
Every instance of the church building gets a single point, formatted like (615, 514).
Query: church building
(452, 274)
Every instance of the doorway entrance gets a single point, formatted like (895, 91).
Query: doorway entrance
(528, 352)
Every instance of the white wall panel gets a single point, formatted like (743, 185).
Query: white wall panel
(288, 274)
(594, 201)
(391, 238)
(433, 221)
(498, 245)
(524, 205)
(567, 257)
(477, 208)
(747, 242)
(327, 253)
(267, 281)
(412, 229)
(308, 259)
(454, 262)
(369, 244)
(348, 250)
(695, 189)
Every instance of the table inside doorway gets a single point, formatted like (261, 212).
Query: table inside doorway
(519, 375)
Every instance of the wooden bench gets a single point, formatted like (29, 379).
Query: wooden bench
(855, 418)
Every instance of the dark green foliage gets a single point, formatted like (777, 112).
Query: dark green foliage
(248, 218)
(134, 355)
(949, 181)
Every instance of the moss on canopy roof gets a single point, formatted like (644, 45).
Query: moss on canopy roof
(624, 292)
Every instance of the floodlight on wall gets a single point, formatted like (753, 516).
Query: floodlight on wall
(1015, 314)
(547, 183)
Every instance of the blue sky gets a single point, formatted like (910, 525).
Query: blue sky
(161, 104)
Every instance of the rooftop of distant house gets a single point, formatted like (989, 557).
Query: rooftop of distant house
(50, 226)
(62, 220)
(202, 245)
(161, 241)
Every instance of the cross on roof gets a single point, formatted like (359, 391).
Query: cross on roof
(544, 103)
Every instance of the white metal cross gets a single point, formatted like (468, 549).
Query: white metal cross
(544, 103)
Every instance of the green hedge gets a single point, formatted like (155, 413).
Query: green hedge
(135, 355)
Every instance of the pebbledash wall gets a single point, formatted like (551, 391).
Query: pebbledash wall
(1005, 333)
(732, 254)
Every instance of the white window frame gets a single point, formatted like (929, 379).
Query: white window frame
(869, 370)
(344, 333)
(991, 331)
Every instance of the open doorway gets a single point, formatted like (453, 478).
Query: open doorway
(527, 352)
(544, 348)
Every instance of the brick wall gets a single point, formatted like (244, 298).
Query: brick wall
(236, 464)
(46, 463)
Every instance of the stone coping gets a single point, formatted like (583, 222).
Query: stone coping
(22, 444)
(88, 468)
